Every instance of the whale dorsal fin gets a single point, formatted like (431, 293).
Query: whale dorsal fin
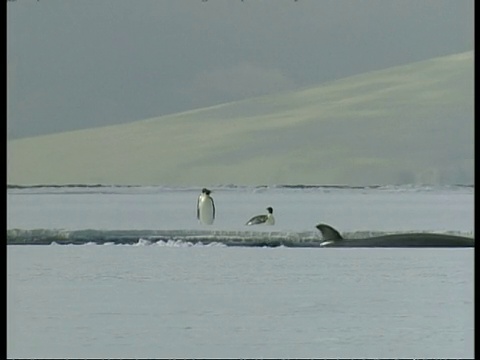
(329, 233)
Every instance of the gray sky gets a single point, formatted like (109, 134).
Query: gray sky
(75, 64)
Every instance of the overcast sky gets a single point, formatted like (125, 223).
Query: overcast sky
(75, 64)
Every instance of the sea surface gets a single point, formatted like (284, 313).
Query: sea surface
(176, 299)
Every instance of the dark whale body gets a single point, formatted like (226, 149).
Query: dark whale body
(332, 238)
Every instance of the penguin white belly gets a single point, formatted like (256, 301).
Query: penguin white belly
(206, 211)
(270, 220)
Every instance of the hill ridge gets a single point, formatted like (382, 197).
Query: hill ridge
(345, 131)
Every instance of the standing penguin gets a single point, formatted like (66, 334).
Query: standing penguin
(267, 219)
(205, 208)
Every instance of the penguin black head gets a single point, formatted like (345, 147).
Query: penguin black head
(270, 210)
(206, 191)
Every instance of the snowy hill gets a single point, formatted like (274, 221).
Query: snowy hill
(407, 124)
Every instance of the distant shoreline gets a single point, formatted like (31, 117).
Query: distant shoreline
(286, 186)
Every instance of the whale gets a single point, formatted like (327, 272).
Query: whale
(333, 238)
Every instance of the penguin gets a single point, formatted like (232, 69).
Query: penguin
(267, 219)
(205, 208)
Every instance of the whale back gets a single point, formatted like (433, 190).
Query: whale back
(331, 237)
(329, 233)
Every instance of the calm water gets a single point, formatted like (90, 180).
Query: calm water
(153, 301)
(214, 301)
